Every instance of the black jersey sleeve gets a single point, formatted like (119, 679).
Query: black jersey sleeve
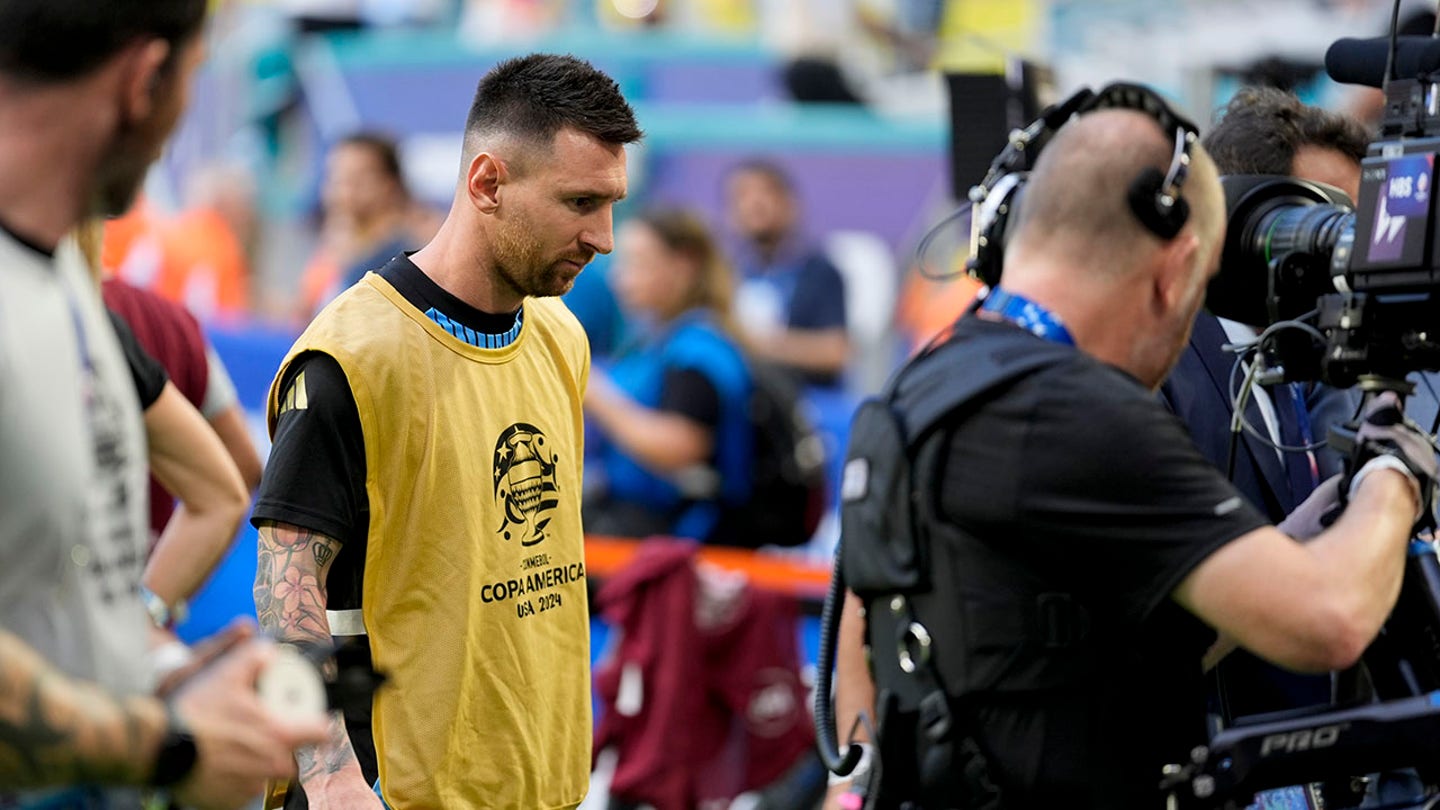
(150, 377)
(315, 478)
(1084, 472)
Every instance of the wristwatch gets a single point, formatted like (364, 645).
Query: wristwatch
(176, 757)
(163, 615)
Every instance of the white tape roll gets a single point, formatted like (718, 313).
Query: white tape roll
(291, 686)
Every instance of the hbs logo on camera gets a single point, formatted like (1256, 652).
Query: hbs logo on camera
(1406, 195)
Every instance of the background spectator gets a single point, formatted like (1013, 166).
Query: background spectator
(674, 435)
(199, 257)
(791, 301)
(368, 218)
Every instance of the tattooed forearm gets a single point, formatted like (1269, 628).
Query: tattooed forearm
(55, 730)
(290, 601)
(291, 565)
(320, 761)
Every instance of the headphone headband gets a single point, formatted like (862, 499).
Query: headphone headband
(1126, 96)
(1154, 196)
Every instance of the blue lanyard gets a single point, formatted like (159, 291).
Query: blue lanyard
(1302, 413)
(1027, 315)
(1307, 433)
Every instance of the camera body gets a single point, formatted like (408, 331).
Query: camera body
(1365, 274)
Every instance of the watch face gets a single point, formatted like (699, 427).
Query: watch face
(156, 607)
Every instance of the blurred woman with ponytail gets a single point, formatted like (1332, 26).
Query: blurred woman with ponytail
(670, 420)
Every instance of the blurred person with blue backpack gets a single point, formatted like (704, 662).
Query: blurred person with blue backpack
(674, 439)
(694, 435)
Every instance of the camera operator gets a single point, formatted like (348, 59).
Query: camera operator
(1077, 481)
(1267, 131)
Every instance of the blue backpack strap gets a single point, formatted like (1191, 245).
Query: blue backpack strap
(699, 344)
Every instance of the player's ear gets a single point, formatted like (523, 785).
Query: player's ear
(143, 74)
(486, 174)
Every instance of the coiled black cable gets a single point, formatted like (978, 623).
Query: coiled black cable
(826, 736)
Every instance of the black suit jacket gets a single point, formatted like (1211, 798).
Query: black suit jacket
(1198, 392)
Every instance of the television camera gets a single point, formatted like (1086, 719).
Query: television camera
(1348, 293)
(1363, 276)
(1342, 292)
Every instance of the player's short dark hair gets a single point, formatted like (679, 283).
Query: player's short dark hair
(1261, 130)
(57, 40)
(382, 146)
(534, 97)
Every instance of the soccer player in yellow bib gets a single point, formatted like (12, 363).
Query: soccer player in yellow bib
(423, 488)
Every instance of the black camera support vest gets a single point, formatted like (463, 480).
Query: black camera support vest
(948, 615)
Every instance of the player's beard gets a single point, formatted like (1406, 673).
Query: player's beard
(118, 185)
(521, 263)
(122, 171)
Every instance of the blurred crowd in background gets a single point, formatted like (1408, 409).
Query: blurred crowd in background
(788, 236)
(323, 129)
(814, 143)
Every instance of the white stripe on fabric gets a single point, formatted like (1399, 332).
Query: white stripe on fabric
(346, 622)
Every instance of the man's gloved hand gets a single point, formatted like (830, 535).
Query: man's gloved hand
(1385, 438)
(1315, 514)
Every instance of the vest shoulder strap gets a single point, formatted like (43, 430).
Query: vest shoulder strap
(960, 371)
(880, 524)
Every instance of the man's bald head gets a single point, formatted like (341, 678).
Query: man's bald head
(1076, 198)
(1127, 296)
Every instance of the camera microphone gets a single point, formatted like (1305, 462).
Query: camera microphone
(1362, 61)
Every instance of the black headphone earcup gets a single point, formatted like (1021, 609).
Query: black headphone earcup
(989, 259)
(1144, 197)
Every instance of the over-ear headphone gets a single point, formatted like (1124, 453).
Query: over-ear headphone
(1153, 196)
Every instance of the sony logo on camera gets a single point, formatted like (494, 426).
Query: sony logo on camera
(1304, 740)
